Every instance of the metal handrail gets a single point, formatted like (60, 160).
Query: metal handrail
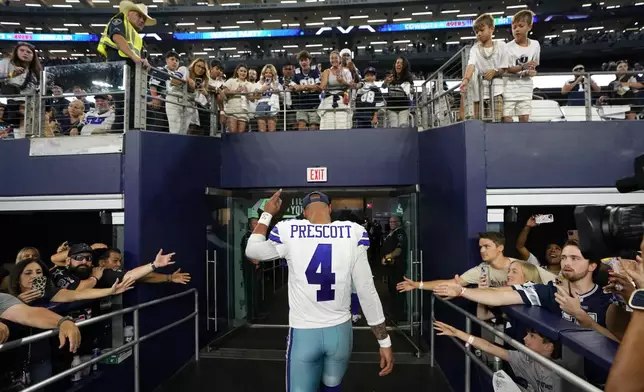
(134, 343)
(442, 68)
(561, 371)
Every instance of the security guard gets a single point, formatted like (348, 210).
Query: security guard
(121, 41)
(393, 258)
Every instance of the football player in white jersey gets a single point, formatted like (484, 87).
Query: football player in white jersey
(324, 258)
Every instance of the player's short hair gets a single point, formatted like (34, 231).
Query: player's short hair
(523, 16)
(482, 21)
(495, 236)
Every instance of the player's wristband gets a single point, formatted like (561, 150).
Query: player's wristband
(470, 340)
(420, 286)
(462, 291)
(385, 343)
(265, 219)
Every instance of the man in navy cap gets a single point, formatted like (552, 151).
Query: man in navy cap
(324, 259)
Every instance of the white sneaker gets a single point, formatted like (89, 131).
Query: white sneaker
(356, 317)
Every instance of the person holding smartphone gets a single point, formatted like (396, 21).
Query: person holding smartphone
(267, 91)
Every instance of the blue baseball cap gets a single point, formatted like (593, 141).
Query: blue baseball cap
(370, 70)
(314, 197)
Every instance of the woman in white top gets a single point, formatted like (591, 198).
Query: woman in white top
(334, 109)
(19, 75)
(236, 90)
(398, 83)
(268, 99)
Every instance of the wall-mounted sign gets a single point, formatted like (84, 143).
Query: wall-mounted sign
(239, 34)
(316, 174)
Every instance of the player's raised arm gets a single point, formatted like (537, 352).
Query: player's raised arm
(371, 306)
(258, 248)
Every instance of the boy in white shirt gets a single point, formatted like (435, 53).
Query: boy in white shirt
(489, 59)
(523, 56)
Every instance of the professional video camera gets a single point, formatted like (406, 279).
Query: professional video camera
(606, 231)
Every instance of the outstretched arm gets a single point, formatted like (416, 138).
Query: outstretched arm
(482, 344)
(489, 296)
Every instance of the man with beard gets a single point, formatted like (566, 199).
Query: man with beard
(553, 251)
(578, 299)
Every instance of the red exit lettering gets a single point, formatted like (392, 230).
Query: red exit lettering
(316, 174)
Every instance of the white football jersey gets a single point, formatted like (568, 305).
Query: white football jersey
(323, 260)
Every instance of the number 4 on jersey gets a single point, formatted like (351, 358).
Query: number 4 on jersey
(325, 278)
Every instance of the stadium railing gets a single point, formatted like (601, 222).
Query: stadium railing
(598, 96)
(470, 357)
(134, 344)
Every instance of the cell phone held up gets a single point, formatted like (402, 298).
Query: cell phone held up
(546, 218)
(39, 283)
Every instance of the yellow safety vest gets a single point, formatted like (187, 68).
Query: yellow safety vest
(132, 37)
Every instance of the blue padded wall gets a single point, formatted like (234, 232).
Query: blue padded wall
(356, 158)
(23, 175)
(165, 177)
(563, 155)
(452, 213)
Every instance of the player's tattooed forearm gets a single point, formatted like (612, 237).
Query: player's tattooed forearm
(380, 331)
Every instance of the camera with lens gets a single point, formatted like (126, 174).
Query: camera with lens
(609, 231)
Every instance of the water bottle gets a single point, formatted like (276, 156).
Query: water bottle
(129, 334)
(78, 375)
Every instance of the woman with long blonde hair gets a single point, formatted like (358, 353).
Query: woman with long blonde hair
(267, 91)
(334, 110)
(199, 74)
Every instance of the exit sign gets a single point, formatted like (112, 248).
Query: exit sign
(316, 174)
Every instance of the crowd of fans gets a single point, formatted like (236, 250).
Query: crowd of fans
(85, 278)
(592, 293)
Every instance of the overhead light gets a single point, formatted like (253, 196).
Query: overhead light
(316, 53)
(229, 4)
(208, 49)
(200, 53)
(185, 24)
(421, 13)
(228, 49)
(638, 4)
(83, 33)
(311, 1)
(497, 13)
(202, 3)
(206, 28)
(551, 36)
(158, 1)
(152, 6)
(32, 5)
(377, 21)
(570, 31)
(291, 46)
(65, 6)
(288, 2)
(229, 27)
(155, 54)
(100, 1)
(361, 47)
(586, 5)
(72, 1)
(610, 7)
(511, 7)
(58, 51)
(272, 21)
(293, 25)
(403, 41)
(332, 18)
(245, 22)
(378, 43)
(450, 11)
(33, 28)
(402, 19)
(314, 45)
(315, 24)
(359, 17)
(78, 54)
(465, 15)
(10, 23)
(469, 37)
(453, 43)
(98, 25)
(72, 25)
(60, 29)
(595, 28)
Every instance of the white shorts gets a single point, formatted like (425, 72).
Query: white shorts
(517, 108)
